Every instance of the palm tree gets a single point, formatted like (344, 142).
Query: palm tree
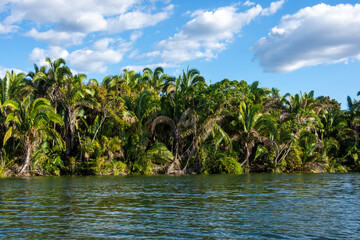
(116, 84)
(132, 79)
(275, 101)
(353, 115)
(254, 127)
(258, 95)
(175, 115)
(140, 115)
(155, 78)
(178, 126)
(30, 123)
(191, 78)
(74, 96)
(39, 81)
(181, 117)
(52, 80)
(13, 85)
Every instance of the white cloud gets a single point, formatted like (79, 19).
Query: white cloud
(88, 60)
(248, 3)
(274, 7)
(103, 52)
(137, 20)
(3, 71)
(39, 55)
(321, 34)
(69, 18)
(67, 11)
(55, 37)
(208, 33)
(140, 68)
(135, 35)
(7, 28)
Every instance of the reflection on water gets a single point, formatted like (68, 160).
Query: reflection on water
(259, 206)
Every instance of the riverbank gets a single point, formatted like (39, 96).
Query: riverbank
(309, 168)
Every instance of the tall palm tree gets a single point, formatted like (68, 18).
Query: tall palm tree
(141, 114)
(30, 123)
(50, 79)
(254, 127)
(180, 115)
(74, 96)
(53, 79)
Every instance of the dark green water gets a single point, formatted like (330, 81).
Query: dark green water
(259, 206)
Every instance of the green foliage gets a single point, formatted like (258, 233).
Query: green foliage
(48, 160)
(5, 163)
(227, 164)
(53, 122)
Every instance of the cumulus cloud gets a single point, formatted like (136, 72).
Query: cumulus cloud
(55, 37)
(208, 33)
(66, 11)
(138, 20)
(95, 59)
(38, 55)
(88, 60)
(321, 34)
(73, 20)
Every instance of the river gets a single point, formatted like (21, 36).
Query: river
(252, 206)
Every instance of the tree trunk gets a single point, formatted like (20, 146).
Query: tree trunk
(248, 151)
(176, 144)
(247, 157)
(68, 134)
(97, 130)
(72, 136)
(25, 168)
(175, 167)
(81, 148)
(55, 110)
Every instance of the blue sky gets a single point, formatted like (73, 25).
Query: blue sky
(289, 44)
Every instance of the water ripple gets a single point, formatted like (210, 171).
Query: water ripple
(259, 206)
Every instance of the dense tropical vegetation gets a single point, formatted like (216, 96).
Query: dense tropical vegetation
(54, 122)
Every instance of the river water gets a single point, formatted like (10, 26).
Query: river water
(254, 206)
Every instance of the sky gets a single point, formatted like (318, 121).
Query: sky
(295, 46)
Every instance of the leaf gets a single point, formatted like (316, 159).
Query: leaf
(8, 135)
(159, 152)
(40, 104)
(41, 116)
(14, 104)
(12, 117)
(56, 118)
